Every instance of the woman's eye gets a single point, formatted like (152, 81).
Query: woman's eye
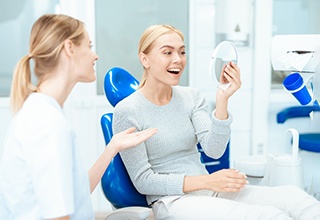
(183, 52)
(167, 52)
(91, 45)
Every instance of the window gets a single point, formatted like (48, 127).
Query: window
(16, 19)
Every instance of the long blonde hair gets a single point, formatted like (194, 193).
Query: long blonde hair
(149, 36)
(47, 38)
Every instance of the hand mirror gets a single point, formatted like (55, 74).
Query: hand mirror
(222, 54)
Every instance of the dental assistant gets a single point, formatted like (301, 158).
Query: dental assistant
(41, 176)
(167, 167)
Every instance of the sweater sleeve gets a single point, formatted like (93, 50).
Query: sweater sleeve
(136, 160)
(213, 134)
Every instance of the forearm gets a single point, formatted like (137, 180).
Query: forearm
(194, 183)
(99, 167)
(225, 180)
(221, 107)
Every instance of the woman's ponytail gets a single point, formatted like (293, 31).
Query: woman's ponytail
(21, 86)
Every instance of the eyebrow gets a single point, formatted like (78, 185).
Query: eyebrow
(164, 46)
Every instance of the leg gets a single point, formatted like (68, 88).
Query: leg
(290, 199)
(190, 207)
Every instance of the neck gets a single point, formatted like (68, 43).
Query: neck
(56, 88)
(157, 95)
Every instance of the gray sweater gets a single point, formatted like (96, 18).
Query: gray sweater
(158, 166)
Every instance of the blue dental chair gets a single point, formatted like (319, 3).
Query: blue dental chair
(116, 184)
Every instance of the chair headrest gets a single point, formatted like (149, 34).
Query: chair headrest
(118, 84)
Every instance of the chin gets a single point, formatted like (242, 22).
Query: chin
(89, 80)
(175, 82)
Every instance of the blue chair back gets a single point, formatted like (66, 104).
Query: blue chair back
(116, 183)
(118, 84)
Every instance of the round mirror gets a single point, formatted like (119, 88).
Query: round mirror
(222, 54)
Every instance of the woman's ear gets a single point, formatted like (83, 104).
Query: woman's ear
(144, 60)
(69, 48)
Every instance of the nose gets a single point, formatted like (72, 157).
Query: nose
(177, 58)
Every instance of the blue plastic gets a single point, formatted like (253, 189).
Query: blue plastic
(213, 165)
(293, 82)
(293, 112)
(118, 84)
(307, 141)
(115, 182)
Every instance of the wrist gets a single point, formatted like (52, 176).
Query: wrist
(194, 183)
(111, 150)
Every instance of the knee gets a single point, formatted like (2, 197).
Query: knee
(291, 190)
(271, 212)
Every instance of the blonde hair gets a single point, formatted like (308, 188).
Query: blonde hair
(149, 36)
(47, 38)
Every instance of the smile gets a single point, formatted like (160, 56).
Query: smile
(174, 71)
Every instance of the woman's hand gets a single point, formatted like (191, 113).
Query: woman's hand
(226, 180)
(129, 138)
(230, 74)
(119, 142)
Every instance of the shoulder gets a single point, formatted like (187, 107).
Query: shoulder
(41, 113)
(131, 103)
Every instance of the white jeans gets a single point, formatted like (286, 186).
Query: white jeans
(251, 203)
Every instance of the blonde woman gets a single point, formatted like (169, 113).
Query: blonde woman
(40, 173)
(167, 167)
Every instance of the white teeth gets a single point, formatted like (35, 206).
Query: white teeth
(174, 70)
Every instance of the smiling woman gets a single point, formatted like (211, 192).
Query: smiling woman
(167, 168)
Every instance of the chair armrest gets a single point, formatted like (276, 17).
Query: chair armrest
(127, 213)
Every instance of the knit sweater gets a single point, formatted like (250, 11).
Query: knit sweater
(157, 167)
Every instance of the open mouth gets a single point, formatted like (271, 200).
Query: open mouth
(174, 71)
